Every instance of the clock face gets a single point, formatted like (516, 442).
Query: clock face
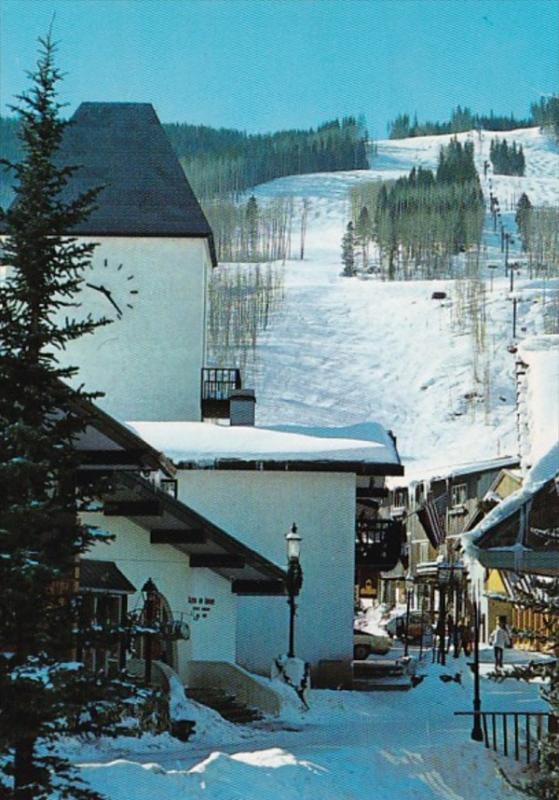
(116, 285)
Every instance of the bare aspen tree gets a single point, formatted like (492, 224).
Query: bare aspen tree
(304, 215)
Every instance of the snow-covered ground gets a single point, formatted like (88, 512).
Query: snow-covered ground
(346, 351)
(350, 745)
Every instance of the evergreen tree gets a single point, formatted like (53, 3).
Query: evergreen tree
(44, 692)
(363, 235)
(348, 251)
(546, 114)
(506, 160)
(252, 224)
(522, 218)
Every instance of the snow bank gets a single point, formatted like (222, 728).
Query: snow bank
(205, 444)
(209, 724)
(386, 746)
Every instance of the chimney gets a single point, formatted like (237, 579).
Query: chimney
(242, 406)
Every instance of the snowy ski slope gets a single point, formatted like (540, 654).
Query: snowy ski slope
(343, 351)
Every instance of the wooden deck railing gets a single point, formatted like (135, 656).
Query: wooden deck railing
(216, 386)
(515, 732)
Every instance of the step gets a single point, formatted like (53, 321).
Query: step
(382, 684)
(372, 669)
(225, 704)
(209, 696)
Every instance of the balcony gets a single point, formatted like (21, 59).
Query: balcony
(379, 543)
(216, 387)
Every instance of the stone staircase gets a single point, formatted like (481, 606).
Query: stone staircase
(224, 703)
(381, 675)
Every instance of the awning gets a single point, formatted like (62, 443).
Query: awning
(103, 576)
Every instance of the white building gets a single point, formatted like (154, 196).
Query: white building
(200, 571)
(255, 483)
(150, 268)
(216, 551)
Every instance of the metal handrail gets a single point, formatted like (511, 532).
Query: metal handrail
(527, 739)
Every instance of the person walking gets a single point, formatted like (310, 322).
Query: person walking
(450, 631)
(466, 635)
(500, 638)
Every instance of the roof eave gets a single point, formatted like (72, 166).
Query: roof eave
(364, 468)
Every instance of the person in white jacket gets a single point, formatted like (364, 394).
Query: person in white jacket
(500, 638)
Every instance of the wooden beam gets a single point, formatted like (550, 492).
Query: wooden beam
(177, 536)
(132, 508)
(215, 560)
(258, 587)
(113, 457)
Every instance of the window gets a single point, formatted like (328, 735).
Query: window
(99, 609)
(459, 494)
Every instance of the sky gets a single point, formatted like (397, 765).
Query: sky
(260, 65)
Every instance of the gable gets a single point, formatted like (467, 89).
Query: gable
(123, 148)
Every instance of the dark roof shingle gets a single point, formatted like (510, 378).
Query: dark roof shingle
(123, 148)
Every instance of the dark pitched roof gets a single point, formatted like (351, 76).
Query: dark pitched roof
(103, 576)
(123, 147)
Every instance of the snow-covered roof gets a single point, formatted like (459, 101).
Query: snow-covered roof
(543, 471)
(538, 396)
(362, 448)
(451, 471)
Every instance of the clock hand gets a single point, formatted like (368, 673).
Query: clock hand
(108, 295)
(101, 289)
(110, 299)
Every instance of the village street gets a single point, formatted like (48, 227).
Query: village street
(349, 745)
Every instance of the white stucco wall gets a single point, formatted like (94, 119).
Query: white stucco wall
(258, 508)
(148, 362)
(213, 636)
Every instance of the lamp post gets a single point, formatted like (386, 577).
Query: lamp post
(293, 581)
(409, 593)
(421, 612)
(149, 590)
(457, 576)
(444, 577)
(477, 733)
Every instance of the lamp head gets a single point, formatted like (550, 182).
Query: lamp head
(293, 543)
(444, 570)
(149, 587)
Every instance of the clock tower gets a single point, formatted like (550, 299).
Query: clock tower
(150, 269)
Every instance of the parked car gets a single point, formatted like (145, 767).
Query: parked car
(366, 643)
(419, 625)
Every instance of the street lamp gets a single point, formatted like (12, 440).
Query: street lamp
(293, 581)
(444, 577)
(477, 733)
(458, 572)
(150, 593)
(409, 593)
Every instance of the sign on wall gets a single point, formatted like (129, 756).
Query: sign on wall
(200, 607)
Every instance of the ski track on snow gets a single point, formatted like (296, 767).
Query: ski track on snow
(342, 351)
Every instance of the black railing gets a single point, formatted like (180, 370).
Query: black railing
(378, 542)
(515, 733)
(216, 387)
